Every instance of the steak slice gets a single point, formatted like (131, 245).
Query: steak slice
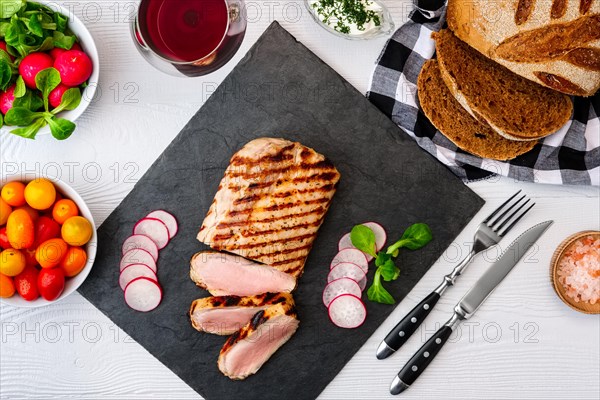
(271, 203)
(224, 315)
(245, 352)
(225, 274)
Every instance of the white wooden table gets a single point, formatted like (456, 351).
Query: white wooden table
(523, 343)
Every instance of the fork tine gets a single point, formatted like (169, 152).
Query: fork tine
(508, 228)
(497, 228)
(499, 208)
(501, 216)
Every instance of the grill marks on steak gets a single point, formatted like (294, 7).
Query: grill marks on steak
(271, 203)
(248, 349)
(224, 315)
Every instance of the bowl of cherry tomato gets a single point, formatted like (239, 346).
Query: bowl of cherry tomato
(47, 241)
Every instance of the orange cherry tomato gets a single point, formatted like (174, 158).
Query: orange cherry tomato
(74, 261)
(20, 229)
(32, 213)
(40, 194)
(14, 193)
(50, 253)
(63, 210)
(7, 286)
(5, 210)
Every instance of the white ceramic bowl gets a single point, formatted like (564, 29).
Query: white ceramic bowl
(385, 28)
(73, 283)
(89, 47)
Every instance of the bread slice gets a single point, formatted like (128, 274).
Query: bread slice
(513, 106)
(447, 115)
(555, 43)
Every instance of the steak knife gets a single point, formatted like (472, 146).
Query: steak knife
(467, 306)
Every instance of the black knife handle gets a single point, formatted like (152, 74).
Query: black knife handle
(409, 324)
(420, 360)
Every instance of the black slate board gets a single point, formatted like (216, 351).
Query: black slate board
(279, 89)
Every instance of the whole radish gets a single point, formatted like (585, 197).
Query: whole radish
(74, 66)
(6, 99)
(55, 96)
(31, 65)
(57, 51)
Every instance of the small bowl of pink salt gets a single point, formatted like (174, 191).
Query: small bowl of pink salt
(575, 271)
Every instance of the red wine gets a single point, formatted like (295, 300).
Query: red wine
(183, 30)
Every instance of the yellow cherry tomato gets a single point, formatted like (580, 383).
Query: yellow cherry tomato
(77, 231)
(40, 194)
(12, 262)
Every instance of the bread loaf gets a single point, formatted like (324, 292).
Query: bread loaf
(513, 106)
(555, 43)
(447, 115)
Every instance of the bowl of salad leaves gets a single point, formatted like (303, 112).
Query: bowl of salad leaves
(49, 69)
(352, 19)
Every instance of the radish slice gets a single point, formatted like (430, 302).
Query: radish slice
(143, 294)
(339, 287)
(380, 235)
(348, 270)
(155, 229)
(134, 271)
(140, 242)
(137, 256)
(346, 243)
(347, 311)
(353, 256)
(167, 219)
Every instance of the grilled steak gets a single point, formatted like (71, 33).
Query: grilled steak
(225, 274)
(224, 315)
(248, 349)
(271, 203)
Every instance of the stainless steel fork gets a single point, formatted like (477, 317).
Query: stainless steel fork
(489, 233)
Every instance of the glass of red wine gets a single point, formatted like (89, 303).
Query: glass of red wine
(188, 37)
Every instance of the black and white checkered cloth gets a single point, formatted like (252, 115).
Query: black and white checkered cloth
(569, 156)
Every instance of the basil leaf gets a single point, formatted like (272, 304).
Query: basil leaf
(414, 237)
(35, 25)
(20, 88)
(30, 131)
(60, 21)
(46, 81)
(30, 100)
(63, 41)
(20, 116)
(61, 128)
(378, 293)
(389, 271)
(10, 7)
(70, 100)
(5, 74)
(363, 239)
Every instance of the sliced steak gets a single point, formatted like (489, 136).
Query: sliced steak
(225, 274)
(224, 315)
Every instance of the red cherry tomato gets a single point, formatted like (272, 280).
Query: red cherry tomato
(30, 259)
(51, 283)
(75, 67)
(32, 64)
(26, 283)
(4, 243)
(6, 99)
(3, 47)
(45, 228)
(55, 96)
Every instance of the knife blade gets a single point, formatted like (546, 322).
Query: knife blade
(467, 306)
